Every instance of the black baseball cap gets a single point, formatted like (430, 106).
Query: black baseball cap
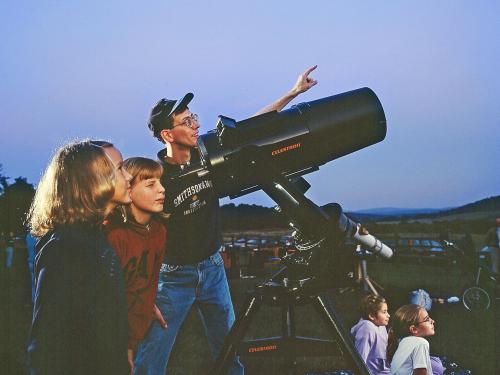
(161, 114)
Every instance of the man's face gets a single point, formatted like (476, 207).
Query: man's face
(185, 129)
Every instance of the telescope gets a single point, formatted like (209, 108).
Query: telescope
(272, 152)
(294, 142)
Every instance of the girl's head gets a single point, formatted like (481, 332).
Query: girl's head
(147, 192)
(412, 320)
(408, 320)
(374, 308)
(83, 182)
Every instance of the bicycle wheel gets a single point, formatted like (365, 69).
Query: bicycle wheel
(476, 299)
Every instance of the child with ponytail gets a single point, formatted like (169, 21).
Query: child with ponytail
(370, 334)
(407, 349)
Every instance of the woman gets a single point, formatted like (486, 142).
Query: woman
(79, 321)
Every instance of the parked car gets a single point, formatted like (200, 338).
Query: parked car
(240, 242)
(427, 248)
(419, 247)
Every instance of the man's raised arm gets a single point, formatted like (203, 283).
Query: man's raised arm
(304, 83)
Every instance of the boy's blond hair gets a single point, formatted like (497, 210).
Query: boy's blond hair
(142, 168)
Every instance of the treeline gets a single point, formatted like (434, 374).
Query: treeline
(472, 226)
(250, 217)
(16, 197)
(15, 200)
(254, 217)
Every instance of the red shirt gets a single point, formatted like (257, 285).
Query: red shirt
(140, 249)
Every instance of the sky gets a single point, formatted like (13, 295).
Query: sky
(93, 69)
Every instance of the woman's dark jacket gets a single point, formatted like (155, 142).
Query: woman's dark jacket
(80, 314)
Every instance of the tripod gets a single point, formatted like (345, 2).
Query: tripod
(318, 231)
(362, 277)
(289, 346)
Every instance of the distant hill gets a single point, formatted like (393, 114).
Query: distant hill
(491, 204)
(245, 217)
(483, 209)
(394, 211)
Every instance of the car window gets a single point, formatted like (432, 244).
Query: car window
(426, 243)
(435, 243)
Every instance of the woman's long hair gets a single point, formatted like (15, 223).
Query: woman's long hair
(404, 317)
(76, 187)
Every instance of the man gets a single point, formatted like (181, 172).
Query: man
(493, 241)
(193, 269)
(30, 245)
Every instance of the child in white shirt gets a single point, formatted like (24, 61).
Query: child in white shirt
(407, 348)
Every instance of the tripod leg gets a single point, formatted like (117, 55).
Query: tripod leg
(288, 331)
(376, 284)
(329, 315)
(370, 287)
(235, 335)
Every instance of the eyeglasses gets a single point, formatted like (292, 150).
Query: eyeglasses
(102, 144)
(426, 319)
(188, 121)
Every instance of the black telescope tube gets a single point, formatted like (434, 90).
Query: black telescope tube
(294, 141)
(318, 222)
(303, 213)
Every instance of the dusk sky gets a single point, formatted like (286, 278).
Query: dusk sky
(93, 69)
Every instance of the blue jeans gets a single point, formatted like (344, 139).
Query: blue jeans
(179, 287)
(9, 251)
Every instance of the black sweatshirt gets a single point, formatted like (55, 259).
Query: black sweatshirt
(80, 314)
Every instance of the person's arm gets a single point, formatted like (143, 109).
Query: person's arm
(363, 341)
(135, 315)
(437, 366)
(489, 239)
(52, 324)
(304, 83)
(117, 241)
(420, 358)
(157, 315)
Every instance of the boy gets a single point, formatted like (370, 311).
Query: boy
(139, 242)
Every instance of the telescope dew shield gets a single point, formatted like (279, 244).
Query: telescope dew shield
(293, 142)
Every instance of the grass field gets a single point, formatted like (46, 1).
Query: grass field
(469, 338)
